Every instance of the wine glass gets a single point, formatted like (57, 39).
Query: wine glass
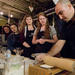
(18, 50)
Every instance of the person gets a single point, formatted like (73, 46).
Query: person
(13, 41)
(66, 45)
(44, 36)
(6, 31)
(27, 29)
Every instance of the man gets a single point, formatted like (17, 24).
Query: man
(65, 11)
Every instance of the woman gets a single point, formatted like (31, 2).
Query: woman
(44, 36)
(5, 34)
(27, 28)
(13, 41)
(6, 31)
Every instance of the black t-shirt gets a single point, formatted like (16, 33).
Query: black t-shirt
(68, 34)
(42, 48)
(29, 36)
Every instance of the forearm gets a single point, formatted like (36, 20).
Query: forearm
(50, 41)
(53, 40)
(26, 44)
(35, 40)
(54, 61)
(56, 48)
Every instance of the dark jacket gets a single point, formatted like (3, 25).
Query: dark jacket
(13, 41)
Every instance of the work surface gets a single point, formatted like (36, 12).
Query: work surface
(31, 69)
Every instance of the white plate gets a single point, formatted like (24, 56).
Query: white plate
(46, 66)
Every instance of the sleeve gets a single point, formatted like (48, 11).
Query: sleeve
(10, 42)
(23, 35)
(63, 35)
(53, 31)
(22, 38)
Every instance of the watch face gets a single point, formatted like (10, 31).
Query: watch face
(55, 1)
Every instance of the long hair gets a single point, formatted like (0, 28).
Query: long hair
(47, 29)
(7, 27)
(23, 23)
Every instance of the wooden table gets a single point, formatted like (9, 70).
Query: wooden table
(37, 70)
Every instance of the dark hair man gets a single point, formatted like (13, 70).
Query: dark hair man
(66, 12)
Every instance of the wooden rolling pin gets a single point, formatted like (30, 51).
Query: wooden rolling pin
(63, 63)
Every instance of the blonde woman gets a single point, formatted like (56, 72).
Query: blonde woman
(44, 36)
(27, 28)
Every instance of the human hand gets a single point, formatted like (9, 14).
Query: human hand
(26, 44)
(41, 41)
(40, 57)
(15, 50)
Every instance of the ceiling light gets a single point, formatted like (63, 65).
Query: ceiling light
(11, 15)
(1, 13)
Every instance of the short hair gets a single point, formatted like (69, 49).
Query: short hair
(64, 2)
(13, 24)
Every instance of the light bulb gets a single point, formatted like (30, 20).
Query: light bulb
(11, 15)
(1, 13)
